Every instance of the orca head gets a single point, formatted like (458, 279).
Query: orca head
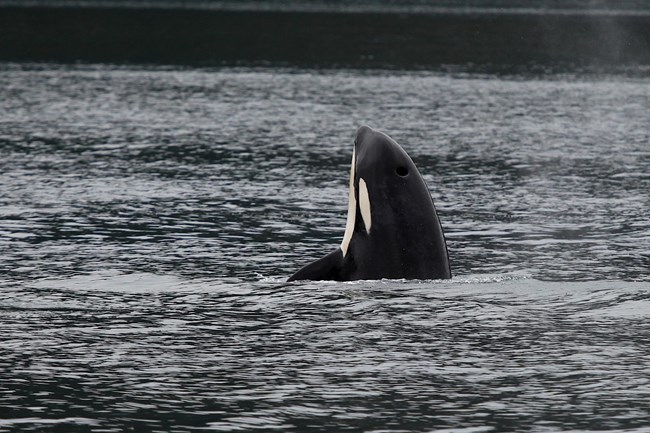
(392, 229)
(385, 188)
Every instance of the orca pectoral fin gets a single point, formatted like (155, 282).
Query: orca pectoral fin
(325, 268)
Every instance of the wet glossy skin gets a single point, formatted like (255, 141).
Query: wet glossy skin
(394, 231)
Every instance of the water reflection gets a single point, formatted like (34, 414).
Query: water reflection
(246, 175)
(147, 352)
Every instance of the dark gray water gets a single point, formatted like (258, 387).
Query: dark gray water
(150, 216)
(426, 6)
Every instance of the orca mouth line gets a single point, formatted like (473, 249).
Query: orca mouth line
(352, 206)
(363, 201)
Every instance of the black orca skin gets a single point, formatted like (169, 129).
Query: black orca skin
(393, 230)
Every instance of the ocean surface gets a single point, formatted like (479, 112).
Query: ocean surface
(392, 6)
(149, 218)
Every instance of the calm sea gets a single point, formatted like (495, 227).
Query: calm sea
(149, 217)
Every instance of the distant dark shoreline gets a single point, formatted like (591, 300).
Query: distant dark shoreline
(322, 39)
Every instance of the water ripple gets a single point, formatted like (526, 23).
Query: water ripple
(149, 218)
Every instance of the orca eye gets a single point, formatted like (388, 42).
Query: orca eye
(402, 171)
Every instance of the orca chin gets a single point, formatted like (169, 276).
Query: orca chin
(392, 229)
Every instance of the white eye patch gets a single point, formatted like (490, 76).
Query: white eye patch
(364, 205)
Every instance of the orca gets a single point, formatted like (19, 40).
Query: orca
(392, 229)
